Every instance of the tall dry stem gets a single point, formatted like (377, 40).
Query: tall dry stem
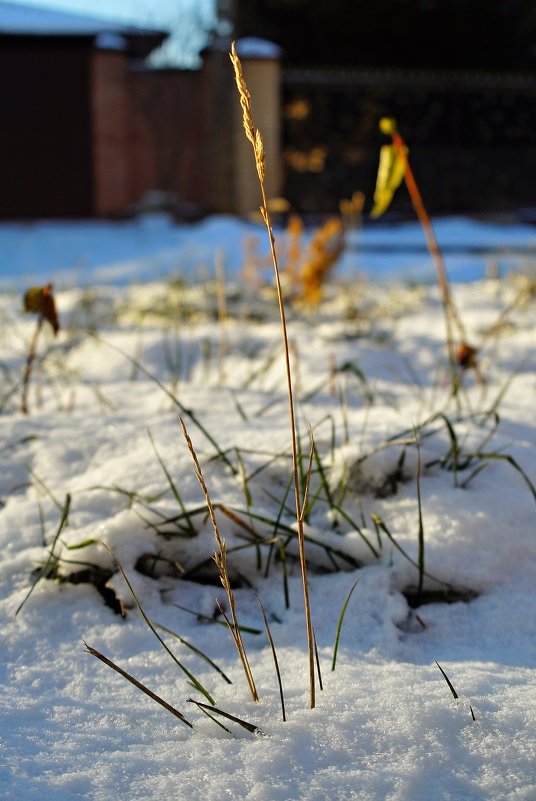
(255, 138)
(452, 318)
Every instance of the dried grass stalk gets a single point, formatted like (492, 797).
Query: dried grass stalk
(220, 558)
(255, 138)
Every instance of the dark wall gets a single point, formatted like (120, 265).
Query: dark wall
(45, 136)
(167, 132)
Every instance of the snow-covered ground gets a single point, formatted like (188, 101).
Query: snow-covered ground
(152, 246)
(369, 365)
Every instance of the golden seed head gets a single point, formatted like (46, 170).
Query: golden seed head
(245, 99)
(259, 154)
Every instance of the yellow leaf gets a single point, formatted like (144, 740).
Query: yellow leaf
(390, 174)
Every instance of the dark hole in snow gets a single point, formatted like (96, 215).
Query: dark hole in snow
(92, 574)
(448, 595)
(155, 566)
(98, 579)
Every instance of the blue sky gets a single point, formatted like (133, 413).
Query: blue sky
(187, 19)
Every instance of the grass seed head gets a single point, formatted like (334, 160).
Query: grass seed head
(252, 133)
(245, 98)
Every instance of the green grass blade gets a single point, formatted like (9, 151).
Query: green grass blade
(243, 478)
(195, 650)
(274, 654)
(379, 522)
(201, 616)
(174, 490)
(205, 711)
(44, 487)
(51, 554)
(339, 624)
(505, 457)
(284, 571)
(356, 528)
(323, 478)
(449, 683)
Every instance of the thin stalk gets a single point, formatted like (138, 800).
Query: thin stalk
(449, 311)
(421, 526)
(30, 358)
(201, 616)
(317, 661)
(45, 488)
(339, 624)
(138, 684)
(212, 718)
(449, 683)
(378, 522)
(213, 710)
(220, 557)
(254, 136)
(453, 691)
(283, 560)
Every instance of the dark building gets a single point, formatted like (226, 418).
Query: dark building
(89, 130)
(65, 132)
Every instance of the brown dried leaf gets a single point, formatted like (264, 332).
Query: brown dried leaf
(40, 300)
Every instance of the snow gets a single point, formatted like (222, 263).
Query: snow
(386, 725)
(253, 47)
(80, 253)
